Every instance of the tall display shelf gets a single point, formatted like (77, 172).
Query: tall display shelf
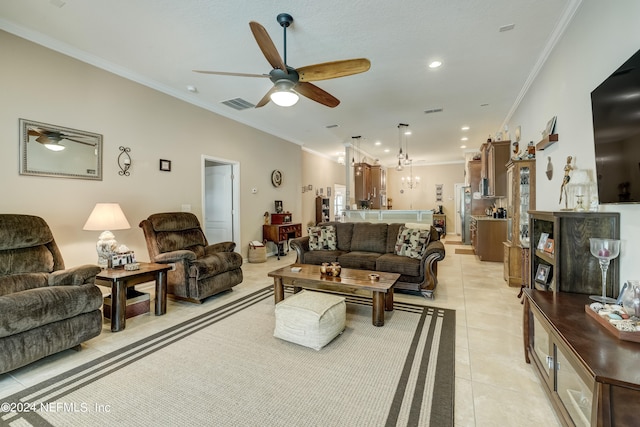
(569, 266)
(521, 197)
(323, 209)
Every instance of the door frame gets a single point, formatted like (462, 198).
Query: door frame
(235, 188)
(458, 200)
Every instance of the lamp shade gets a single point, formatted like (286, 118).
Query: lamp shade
(106, 216)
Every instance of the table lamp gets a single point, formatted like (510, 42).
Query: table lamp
(106, 216)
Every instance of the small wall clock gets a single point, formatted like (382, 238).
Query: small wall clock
(276, 178)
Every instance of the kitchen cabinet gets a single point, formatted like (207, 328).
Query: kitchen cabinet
(521, 197)
(572, 267)
(378, 187)
(591, 377)
(487, 237)
(478, 204)
(370, 185)
(497, 154)
(323, 209)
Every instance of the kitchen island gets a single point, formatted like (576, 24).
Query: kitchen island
(389, 216)
(487, 235)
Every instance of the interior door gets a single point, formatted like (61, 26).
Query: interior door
(219, 203)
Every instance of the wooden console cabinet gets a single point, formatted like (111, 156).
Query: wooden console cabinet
(591, 377)
(281, 234)
(572, 267)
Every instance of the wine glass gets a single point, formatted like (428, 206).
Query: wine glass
(605, 250)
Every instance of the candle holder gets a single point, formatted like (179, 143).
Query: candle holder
(605, 250)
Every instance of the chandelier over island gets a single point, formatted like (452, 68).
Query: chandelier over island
(403, 154)
(410, 181)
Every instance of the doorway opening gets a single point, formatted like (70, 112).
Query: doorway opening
(221, 200)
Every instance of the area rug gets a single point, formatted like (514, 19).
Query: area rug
(225, 368)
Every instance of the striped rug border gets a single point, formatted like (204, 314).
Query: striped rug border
(441, 413)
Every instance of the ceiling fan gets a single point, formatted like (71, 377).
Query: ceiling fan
(51, 139)
(288, 82)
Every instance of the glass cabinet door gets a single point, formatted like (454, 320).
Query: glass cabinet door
(510, 212)
(542, 348)
(575, 394)
(524, 182)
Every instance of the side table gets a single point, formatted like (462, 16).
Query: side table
(120, 279)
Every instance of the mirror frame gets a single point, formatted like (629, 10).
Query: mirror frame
(27, 168)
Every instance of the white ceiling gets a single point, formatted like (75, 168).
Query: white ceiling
(159, 43)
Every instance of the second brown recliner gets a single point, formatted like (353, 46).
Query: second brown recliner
(201, 270)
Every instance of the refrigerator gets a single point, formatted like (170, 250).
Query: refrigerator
(465, 214)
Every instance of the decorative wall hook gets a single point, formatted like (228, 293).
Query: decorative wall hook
(124, 161)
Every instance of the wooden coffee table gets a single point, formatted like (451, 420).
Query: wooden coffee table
(350, 281)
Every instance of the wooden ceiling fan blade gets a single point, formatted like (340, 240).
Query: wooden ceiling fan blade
(314, 93)
(332, 70)
(265, 99)
(80, 142)
(267, 47)
(225, 73)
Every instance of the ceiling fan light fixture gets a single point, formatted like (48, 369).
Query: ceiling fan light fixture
(54, 146)
(283, 95)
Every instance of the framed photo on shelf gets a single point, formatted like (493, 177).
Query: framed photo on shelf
(542, 274)
(542, 241)
(549, 246)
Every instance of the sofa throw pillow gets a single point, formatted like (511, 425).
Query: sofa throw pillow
(322, 238)
(412, 242)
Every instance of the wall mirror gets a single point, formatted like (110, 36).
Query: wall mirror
(50, 150)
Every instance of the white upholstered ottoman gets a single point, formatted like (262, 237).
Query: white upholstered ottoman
(311, 319)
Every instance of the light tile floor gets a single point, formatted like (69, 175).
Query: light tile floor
(494, 385)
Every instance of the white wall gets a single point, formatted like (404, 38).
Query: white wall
(39, 84)
(601, 36)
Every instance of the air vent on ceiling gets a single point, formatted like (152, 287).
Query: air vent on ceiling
(331, 126)
(433, 110)
(238, 104)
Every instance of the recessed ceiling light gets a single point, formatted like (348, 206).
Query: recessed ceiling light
(435, 64)
(464, 128)
(464, 138)
(408, 132)
(386, 150)
(463, 146)
(378, 143)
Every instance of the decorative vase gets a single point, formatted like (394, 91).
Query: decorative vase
(323, 268)
(631, 299)
(335, 269)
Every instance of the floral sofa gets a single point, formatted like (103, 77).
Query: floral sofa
(394, 248)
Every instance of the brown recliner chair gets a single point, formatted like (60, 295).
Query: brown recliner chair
(201, 270)
(44, 308)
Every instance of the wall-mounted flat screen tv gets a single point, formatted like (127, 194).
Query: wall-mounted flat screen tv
(616, 130)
